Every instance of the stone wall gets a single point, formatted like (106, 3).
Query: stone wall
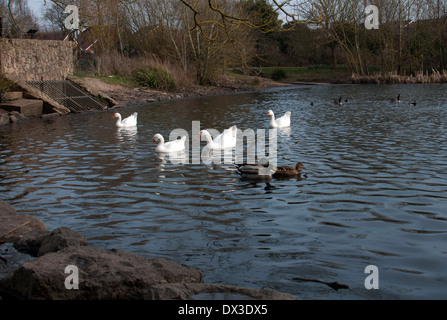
(35, 60)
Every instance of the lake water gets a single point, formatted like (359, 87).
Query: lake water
(374, 192)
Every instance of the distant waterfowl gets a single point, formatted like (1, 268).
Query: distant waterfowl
(413, 103)
(281, 122)
(225, 140)
(397, 99)
(338, 101)
(130, 121)
(171, 146)
(288, 171)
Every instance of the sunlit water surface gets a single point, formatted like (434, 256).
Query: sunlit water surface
(374, 193)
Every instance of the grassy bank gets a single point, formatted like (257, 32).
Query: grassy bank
(109, 79)
(126, 91)
(318, 74)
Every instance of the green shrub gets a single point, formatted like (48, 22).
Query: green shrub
(278, 74)
(5, 84)
(374, 69)
(155, 77)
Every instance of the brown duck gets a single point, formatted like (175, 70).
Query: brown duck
(258, 170)
(288, 171)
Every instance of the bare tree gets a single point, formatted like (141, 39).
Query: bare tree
(17, 18)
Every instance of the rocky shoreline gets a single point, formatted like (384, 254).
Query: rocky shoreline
(34, 261)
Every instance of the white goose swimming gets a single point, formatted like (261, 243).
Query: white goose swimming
(225, 140)
(281, 122)
(130, 121)
(171, 146)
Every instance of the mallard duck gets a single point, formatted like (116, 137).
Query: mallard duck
(255, 171)
(288, 171)
(259, 168)
(264, 170)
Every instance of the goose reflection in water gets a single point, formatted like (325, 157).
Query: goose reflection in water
(209, 156)
(177, 157)
(126, 134)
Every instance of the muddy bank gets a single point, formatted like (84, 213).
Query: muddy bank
(126, 96)
(34, 262)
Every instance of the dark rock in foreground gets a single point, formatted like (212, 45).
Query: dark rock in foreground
(14, 226)
(39, 242)
(94, 273)
(102, 275)
(207, 291)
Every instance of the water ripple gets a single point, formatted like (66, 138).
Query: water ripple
(374, 192)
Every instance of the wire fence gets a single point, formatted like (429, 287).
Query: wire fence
(70, 95)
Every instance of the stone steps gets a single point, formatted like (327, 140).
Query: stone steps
(13, 95)
(27, 107)
(15, 108)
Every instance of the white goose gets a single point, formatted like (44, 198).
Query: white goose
(225, 140)
(281, 122)
(171, 146)
(130, 121)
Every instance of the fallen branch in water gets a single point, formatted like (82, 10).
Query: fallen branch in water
(11, 231)
(333, 285)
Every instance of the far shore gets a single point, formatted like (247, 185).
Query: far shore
(122, 95)
(127, 96)
(344, 75)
